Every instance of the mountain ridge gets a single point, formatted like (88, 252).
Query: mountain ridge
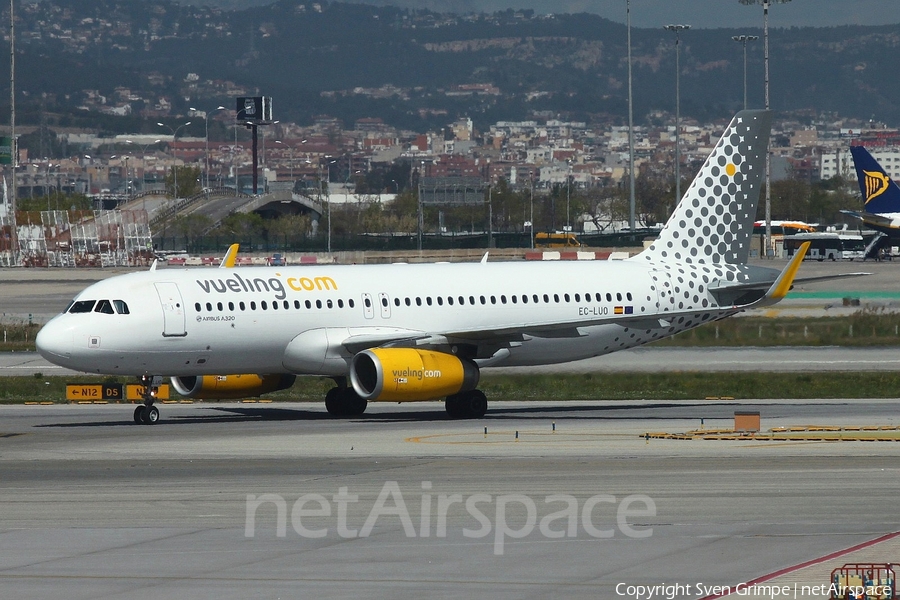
(410, 68)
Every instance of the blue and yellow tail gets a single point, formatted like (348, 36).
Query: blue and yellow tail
(880, 193)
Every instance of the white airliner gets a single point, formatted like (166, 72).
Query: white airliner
(407, 332)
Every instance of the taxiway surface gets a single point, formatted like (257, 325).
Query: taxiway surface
(92, 506)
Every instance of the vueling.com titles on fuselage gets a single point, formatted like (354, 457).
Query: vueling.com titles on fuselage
(237, 284)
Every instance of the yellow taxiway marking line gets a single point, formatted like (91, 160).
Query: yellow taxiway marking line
(781, 443)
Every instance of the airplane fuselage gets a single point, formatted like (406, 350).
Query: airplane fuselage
(185, 322)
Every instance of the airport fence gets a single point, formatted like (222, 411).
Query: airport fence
(218, 244)
(17, 334)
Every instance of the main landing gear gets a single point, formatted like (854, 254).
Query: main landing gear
(343, 401)
(146, 413)
(466, 405)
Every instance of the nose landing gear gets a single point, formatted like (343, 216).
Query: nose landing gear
(147, 413)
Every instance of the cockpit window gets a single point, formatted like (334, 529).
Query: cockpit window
(121, 307)
(105, 307)
(82, 306)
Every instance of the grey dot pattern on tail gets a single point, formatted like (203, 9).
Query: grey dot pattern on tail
(713, 222)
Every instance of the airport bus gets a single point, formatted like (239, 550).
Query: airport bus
(780, 228)
(831, 245)
(557, 239)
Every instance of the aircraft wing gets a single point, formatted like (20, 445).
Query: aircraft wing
(881, 221)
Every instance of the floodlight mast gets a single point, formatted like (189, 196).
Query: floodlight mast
(743, 39)
(765, 4)
(677, 29)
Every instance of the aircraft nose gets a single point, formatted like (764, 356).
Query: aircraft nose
(54, 343)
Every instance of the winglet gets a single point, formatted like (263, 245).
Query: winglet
(230, 257)
(153, 266)
(784, 282)
(484, 258)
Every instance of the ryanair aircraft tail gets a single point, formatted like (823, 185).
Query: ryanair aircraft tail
(880, 193)
(713, 222)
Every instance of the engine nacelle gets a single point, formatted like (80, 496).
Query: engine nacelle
(230, 387)
(409, 374)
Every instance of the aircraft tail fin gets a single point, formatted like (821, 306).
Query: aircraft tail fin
(713, 222)
(880, 193)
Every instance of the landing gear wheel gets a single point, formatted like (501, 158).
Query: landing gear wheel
(466, 405)
(149, 415)
(344, 402)
(452, 405)
(333, 402)
(145, 413)
(476, 404)
(354, 404)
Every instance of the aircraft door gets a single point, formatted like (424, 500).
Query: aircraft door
(368, 306)
(385, 303)
(173, 309)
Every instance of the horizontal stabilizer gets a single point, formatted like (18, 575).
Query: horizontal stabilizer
(884, 221)
(762, 289)
(785, 281)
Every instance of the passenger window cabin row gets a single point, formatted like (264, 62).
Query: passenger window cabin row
(513, 299)
(418, 301)
(274, 305)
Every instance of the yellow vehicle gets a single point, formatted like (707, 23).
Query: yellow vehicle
(558, 239)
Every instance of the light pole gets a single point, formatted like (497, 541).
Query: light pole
(328, 197)
(143, 148)
(127, 188)
(765, 4)
(175, 154)
(234, 166)
(743, 39)
(531, 205)
(677, 29)
(631, 201)
(206, 120)
(568, 193)
(47, 184)
(87, 170)
(264, 143)
(291, 164)
(14, 149)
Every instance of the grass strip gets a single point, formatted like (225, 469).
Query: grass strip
(616, 386)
